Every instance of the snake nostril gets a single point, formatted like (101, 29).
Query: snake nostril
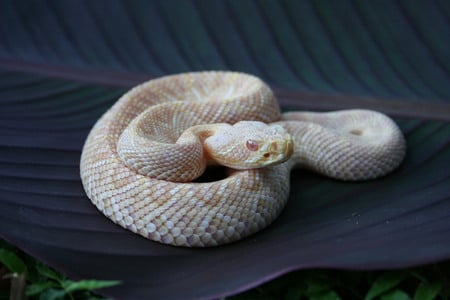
(356, 132)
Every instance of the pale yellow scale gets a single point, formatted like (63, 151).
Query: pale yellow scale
(141, 158)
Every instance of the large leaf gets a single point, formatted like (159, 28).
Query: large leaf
(383, 48)
(76, 58)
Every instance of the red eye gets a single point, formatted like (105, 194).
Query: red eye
(252, 145)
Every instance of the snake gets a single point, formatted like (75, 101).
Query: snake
(142, 160)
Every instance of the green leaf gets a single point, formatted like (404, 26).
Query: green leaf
(52, 294)
(13, 262)
(319, 287)
(49, 273)
(384, 283)
(396, 295)
(329, 295)
(427, 291)
(315, 286)
(294, 293)
(39, 288)
(89, 285)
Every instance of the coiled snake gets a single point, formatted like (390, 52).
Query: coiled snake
(140, 159)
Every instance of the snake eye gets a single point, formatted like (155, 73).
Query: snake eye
(252, 145)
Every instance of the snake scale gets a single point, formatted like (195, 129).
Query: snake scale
(141, 159)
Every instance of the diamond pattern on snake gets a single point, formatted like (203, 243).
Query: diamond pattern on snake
(141, 158)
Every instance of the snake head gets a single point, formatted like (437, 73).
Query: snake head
(249, 145)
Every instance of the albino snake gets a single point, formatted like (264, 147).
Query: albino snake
(140, 159)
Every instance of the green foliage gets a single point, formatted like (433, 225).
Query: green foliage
(425, 283)
(42, 283)
(385, 283)
(395, 295)
(12, 262)
(426, 291)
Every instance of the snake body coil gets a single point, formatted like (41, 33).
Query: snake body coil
(138, 160)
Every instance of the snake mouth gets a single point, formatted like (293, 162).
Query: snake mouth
(289, 149)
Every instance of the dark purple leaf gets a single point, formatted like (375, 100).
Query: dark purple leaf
(63, 64)
(396, 221)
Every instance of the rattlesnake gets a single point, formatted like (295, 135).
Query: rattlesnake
(137, 173)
